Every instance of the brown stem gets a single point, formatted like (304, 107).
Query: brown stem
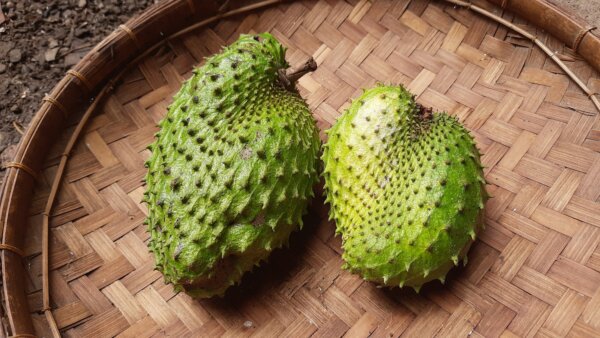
(425, 113)
(288, 80)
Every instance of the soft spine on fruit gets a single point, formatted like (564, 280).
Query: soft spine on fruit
(406, 188)
(231, 170)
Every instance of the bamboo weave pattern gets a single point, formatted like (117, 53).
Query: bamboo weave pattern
(535, 270)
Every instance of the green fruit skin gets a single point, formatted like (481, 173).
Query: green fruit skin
(407, 192)
(232, 169)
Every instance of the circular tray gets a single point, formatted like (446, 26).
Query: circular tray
(535, 270)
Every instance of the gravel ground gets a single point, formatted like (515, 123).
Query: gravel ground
(40, 40)
(587, 9)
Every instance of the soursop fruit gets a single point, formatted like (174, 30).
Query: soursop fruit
(232, 167)
(405, 186)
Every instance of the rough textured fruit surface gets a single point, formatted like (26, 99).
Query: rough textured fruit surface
(405, 186)
(231, 170)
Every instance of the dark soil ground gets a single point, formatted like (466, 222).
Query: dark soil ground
(39, 41)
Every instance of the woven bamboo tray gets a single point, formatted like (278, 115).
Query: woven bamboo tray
(535, 271)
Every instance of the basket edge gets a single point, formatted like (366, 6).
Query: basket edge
(15, 192)
(570, 29)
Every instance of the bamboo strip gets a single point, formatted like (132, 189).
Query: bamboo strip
(53, 191)
(535, 40)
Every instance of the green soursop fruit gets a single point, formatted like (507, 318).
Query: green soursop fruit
(405, 186)
(232, 167)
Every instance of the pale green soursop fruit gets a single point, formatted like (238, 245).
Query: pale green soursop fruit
(232, 168)
(405, 186)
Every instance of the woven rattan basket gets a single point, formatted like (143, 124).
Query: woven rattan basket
(74, 256)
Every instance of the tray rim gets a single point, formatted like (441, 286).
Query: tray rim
(91, 77)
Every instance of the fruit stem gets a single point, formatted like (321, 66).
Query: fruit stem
(425, 113)
(289, 80)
